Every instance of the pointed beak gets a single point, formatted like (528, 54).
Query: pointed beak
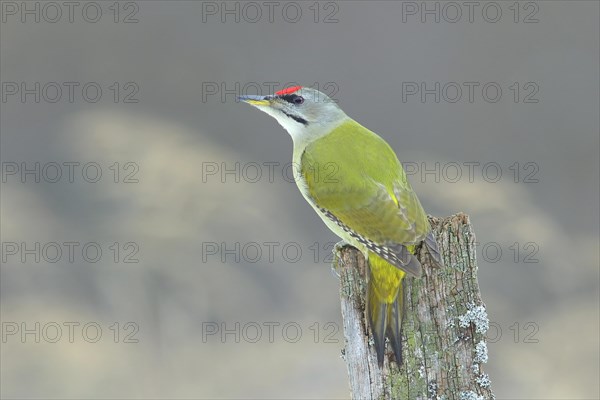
(256, 100)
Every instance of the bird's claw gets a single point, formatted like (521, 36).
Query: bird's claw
(338, 261)
(337, 248)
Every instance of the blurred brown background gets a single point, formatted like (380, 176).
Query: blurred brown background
(183, 219)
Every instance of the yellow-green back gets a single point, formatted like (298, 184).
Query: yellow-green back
(355, 175)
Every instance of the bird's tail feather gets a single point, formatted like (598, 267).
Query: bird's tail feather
(433, 249)
(394, 323)
(385, 319)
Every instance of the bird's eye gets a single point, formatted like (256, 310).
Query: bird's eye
(293, 99)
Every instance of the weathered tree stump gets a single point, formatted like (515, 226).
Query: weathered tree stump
(443, 331)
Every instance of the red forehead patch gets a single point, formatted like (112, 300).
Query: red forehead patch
(288, 90)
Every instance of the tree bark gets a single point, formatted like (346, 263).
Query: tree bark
(443, 330)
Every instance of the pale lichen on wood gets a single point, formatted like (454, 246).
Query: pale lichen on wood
(443, 330)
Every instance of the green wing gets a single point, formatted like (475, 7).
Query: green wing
(365, 187)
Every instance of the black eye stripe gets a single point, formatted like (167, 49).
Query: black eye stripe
(290, 98)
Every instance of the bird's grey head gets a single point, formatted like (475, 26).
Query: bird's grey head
(303, 112)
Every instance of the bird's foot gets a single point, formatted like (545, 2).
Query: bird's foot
(338, 261)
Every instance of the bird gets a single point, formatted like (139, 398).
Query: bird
(354, 181)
